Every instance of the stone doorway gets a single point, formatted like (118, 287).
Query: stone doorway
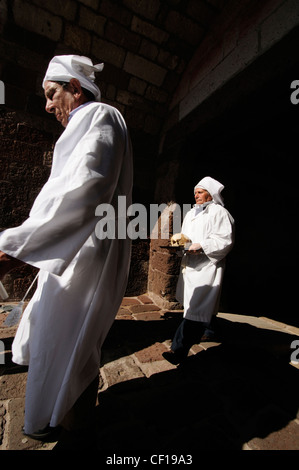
(244, 136)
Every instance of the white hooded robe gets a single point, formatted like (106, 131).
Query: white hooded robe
(82, 279)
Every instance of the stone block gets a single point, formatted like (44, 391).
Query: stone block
(94, 4)
(152, 353)
(137, 86)
(149, 31)
(171, 61)
(165, 262)
(13, 385)
(91, 21)
(130, 99)
(77, 38)
(122, 37)
(127, 301)
(145, 299)
(14, 438)
(121, 370)
(156, 94)
(162, 284)
(144, 69)
(137, 282)
(144, 7)
(147, 316)
(111, 74)
(67, 9)
(109, 53)
(116, 11)
(150, 369)
(124, 314)
(37, 20)
(148, 50)
(143, 308)
(3, 14)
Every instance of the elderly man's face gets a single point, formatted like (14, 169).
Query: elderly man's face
(59, 101)
(202, 196)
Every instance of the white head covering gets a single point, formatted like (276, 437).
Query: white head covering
(63, 68)
(213, 187)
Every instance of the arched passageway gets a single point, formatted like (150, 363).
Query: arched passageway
(245, 136)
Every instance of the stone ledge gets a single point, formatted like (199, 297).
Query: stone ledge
(144, 308)
(151, 354)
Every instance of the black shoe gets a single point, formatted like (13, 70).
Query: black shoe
(173, 357)
(44, 434)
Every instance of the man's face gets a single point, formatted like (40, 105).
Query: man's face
(201, 196)
(60, 101)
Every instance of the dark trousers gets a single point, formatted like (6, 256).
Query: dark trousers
(188, 333)
(82, 413)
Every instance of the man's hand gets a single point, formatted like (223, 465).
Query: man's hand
(195, 248)
(8, 263)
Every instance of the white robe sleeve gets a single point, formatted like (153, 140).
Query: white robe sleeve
(219, 237)
(63, 214)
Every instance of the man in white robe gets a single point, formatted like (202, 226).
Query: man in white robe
(82, 278)
(210, 227)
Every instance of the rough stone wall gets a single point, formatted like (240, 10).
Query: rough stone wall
(145, 47)
(25, 161)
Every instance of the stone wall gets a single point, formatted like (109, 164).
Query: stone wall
(240, 35)
(25, 161)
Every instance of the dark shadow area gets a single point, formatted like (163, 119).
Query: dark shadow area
(126, 337)
(218, 399)
(212, 402)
